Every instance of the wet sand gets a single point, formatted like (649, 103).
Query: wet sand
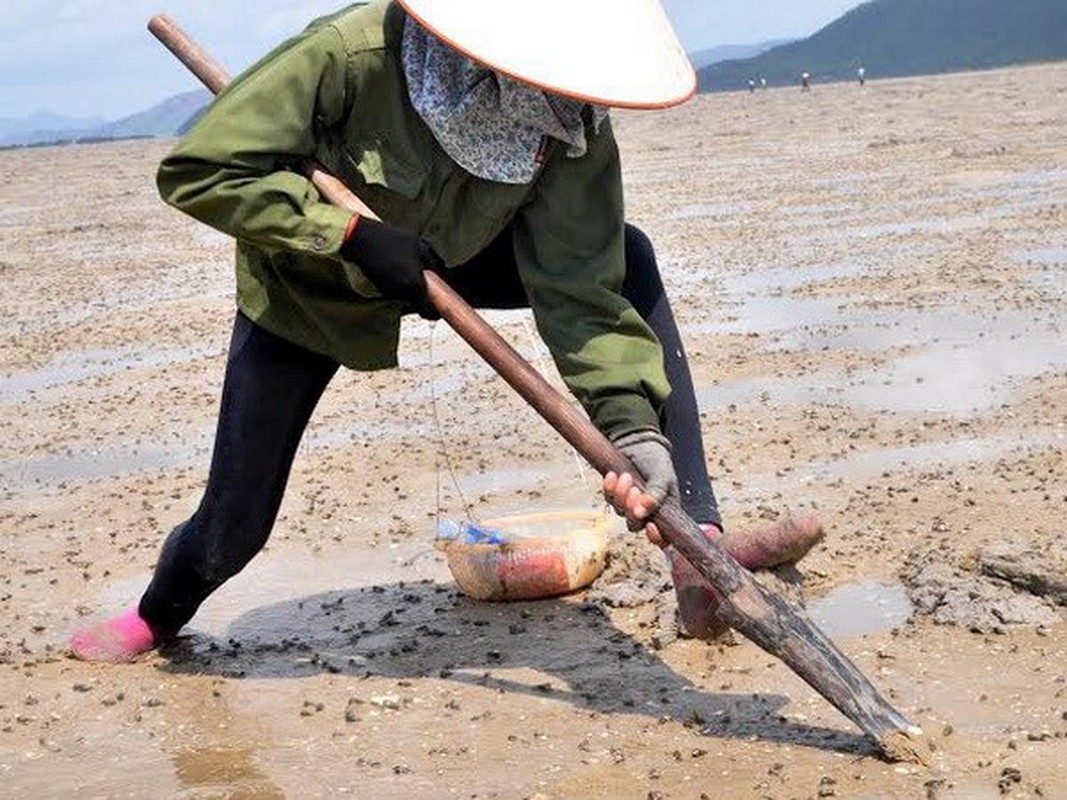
(872, 284)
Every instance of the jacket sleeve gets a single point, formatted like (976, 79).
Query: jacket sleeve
(569, 249)
(237, 168)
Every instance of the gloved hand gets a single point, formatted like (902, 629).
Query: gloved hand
(393, 259)
(650, 452)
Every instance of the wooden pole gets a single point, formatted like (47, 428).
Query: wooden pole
(767, 619)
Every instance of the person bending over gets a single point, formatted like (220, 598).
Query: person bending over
(484, 144)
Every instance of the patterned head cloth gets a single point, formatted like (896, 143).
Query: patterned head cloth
(491, 125)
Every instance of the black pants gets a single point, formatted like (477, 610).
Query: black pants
(272, 387)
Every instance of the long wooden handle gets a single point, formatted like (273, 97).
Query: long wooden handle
(216, 78)
(765, 618)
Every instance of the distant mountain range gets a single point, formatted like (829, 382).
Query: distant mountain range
(893, 38)
(44, 121)
(702, 58)
(163, 119)
(889, 38)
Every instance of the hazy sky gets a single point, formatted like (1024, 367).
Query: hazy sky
(95, 57)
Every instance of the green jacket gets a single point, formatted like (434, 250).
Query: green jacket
(336, 93)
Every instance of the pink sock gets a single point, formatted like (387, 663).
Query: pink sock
(121, 638)
(783, 542)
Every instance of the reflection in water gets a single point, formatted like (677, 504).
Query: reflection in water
(223, 772)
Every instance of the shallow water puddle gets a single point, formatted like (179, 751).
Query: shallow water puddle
(1034, 184)
(194, 449)
(878, 329)
(441, 383)
(103, 462)
(847, 183)
(710, 210)
(499, 480)
(849, 234)
(875, 462)
(958, 451)
(765, 314)
(960, 362)
(958, 378)
(72, 368)
(775, 279)
(1043, 255)
(861, 608)
(288, 596)
(955, 377)
(1048, 269)
(804, 211)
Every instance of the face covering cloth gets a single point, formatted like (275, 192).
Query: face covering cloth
(491, 125)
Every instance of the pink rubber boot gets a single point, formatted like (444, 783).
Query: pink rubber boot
(786, 542)
(114, 640)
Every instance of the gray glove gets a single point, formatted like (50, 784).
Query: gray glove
(650, 452)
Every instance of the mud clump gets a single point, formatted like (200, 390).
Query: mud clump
(1008, 584)
(636, 573)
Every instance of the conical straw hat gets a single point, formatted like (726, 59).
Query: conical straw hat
(611, 52)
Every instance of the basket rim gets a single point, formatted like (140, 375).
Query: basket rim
(599, 518)
(598, 531)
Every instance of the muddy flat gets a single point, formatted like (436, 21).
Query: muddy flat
(872, 284)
